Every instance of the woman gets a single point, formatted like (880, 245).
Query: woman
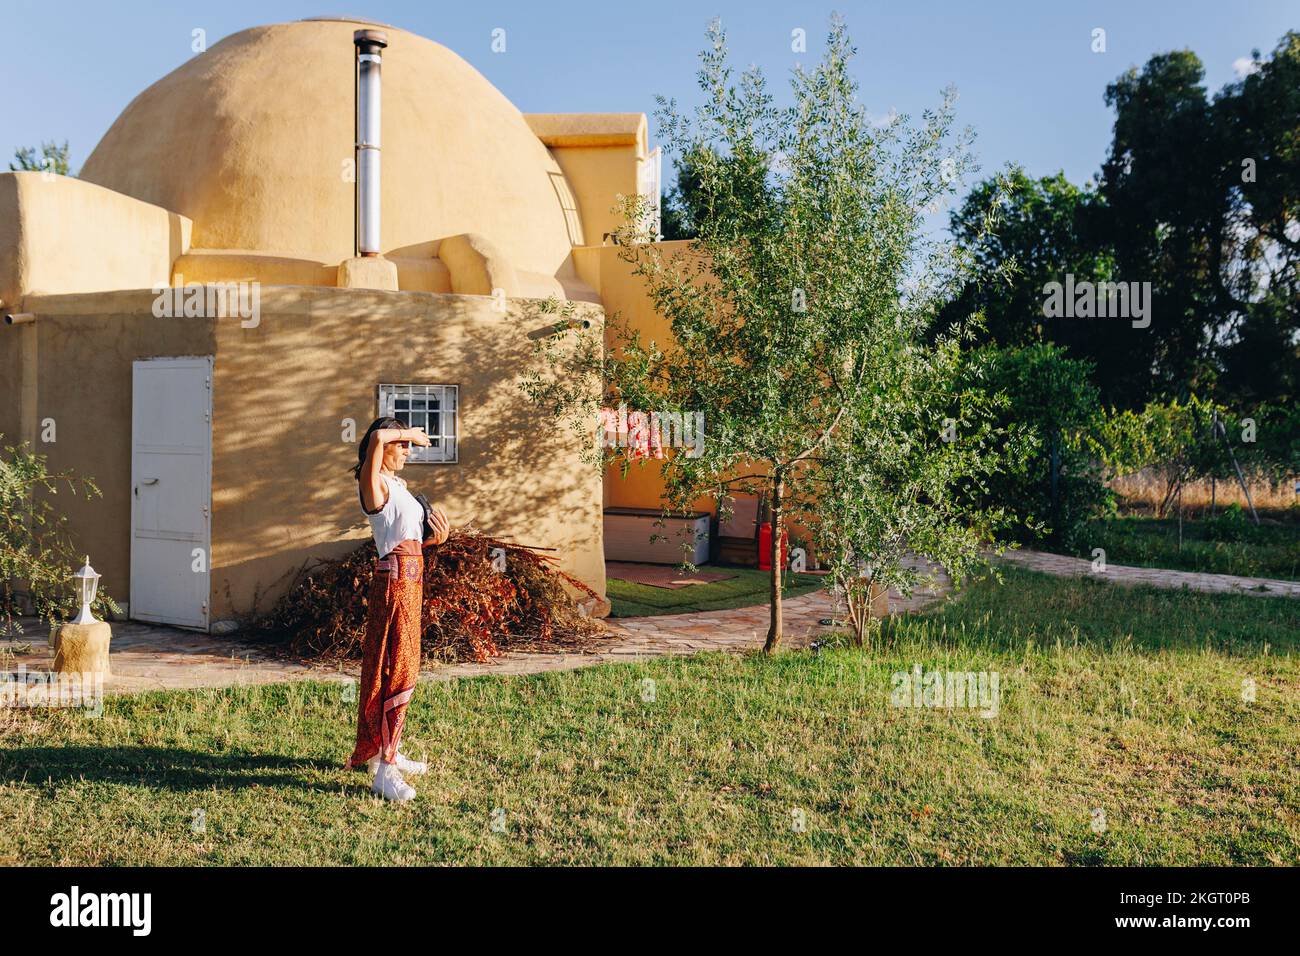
(390, 662)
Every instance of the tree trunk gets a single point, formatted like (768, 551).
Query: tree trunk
(774, 625)
(1056, 491)
(1171, 488)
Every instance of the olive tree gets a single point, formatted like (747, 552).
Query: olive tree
(798, 317)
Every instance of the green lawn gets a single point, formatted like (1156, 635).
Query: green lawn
(1125, 701)
(1227, 544)
(747, 588)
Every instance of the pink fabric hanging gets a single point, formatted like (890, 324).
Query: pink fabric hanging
(638, 432)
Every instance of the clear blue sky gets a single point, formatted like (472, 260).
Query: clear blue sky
(1029, 82)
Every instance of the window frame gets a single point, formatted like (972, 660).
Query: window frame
(386, 397)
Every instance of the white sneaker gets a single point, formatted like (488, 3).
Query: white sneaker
(390, 785)
(412, 767)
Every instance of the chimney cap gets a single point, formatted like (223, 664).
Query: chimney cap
(372, 39)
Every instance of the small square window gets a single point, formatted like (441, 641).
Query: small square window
(434, 408)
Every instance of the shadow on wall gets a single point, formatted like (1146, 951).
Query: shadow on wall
(84, 347)
(283, 492)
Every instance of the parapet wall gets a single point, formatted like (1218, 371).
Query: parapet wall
(61, 235)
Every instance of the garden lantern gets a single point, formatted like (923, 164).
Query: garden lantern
(81, 645)
(87, 583)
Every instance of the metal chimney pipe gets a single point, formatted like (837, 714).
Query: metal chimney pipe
(369, 43)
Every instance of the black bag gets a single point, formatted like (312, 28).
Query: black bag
(429, 531)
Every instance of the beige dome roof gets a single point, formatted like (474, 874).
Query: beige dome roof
(249, 140)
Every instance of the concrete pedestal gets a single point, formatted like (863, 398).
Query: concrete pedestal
(82, 648)
(368, 272)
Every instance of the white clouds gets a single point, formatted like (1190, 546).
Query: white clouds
(1244, 66)
(882, 121)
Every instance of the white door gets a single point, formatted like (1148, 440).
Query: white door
(171, 490)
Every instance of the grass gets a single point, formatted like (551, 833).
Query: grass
(747, 588)
(1125, 700)
(1228, 544)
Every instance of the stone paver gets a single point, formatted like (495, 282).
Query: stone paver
(153, 657)
(156, 657)
(1064, 566)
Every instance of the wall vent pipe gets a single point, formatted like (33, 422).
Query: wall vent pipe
(369, 43)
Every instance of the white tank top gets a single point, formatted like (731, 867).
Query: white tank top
(400, 519)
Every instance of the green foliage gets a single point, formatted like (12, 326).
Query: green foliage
(52, 158)
(911, 471)
(1048, 390)
(1257, 120)
(1047, 228)
(1178, 442)
(673, 224)
(1198, 196)
(1164, 200)
(1170, 438)
(37, 558)
(1053, 398)
(1274, 455)
(798, 319)
(682, 205)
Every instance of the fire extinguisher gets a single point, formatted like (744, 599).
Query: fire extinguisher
(765, 546)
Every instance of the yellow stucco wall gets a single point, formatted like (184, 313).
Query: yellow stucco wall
(59, 234)
(281, 488)
(282, 390)
(623, 294)
(598, 175)
(600, 154)
(85, 345)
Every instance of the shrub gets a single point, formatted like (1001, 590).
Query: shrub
(1054, 397)
(37, 556)
(1177, 442)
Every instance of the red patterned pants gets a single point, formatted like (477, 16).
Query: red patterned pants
(390, 661)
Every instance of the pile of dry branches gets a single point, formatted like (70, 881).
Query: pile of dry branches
(472, 610)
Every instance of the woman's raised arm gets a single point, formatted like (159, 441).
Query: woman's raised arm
(373, 494)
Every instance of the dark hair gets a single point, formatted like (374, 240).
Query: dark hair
(364, 445)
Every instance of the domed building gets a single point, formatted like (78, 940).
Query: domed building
(200, 324)
(252, 141)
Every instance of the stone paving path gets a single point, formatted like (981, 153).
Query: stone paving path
(152, 657)
(1062, 566)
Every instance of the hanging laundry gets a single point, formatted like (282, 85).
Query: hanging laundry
(643, 440)
(638, 432)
